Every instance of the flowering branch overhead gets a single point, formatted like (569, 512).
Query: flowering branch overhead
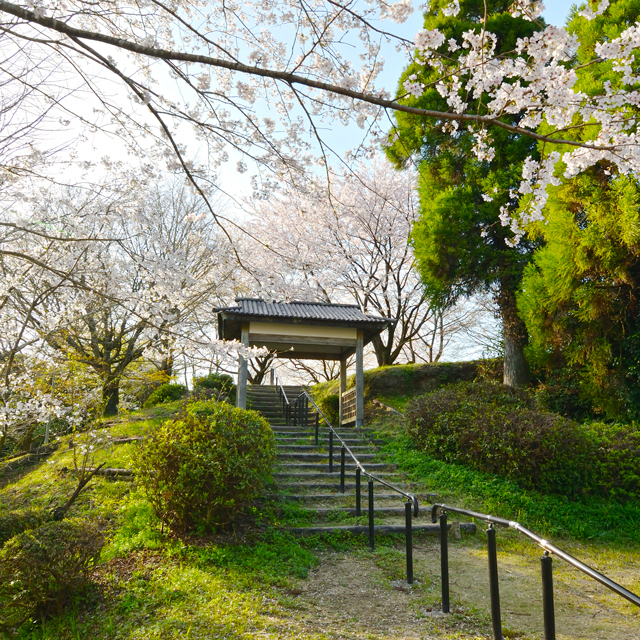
(231, 62)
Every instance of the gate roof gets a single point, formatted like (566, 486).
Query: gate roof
(303, 314)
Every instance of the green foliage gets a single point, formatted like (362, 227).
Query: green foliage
(43, 569)
(166, 393)
(460, 244)
(616, 464)
(275, 558)
(14, 522)
(203, 468)
(458, 238)
(217, 386)
(497, 430)
(590, 518)
(330, 406)
(580, 294)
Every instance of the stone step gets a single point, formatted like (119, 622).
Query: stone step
(351, 511)
(336, 449)
(283, 430)
(323, 437)
(303, 456)
(329, 486)
(319, 475)
(433, 529)
(334, 496)
(373, 467)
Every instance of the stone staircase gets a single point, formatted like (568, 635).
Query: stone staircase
(303, 477)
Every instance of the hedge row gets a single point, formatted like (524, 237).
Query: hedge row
(499, 430)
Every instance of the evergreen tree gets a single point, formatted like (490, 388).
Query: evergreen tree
(460, 242)
(580, 294)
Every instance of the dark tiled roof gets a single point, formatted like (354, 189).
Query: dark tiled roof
(256, 307)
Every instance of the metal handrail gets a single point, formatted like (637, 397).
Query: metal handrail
(408, 496)
(281, 390)
(410, 505)
(545, 545)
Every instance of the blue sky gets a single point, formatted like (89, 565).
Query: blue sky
(557, 11)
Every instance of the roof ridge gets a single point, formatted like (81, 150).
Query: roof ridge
(307, 302)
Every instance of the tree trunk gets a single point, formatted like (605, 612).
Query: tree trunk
(516, 369)
(166, 365)
(111, 397)
(382, 351)
(260, 368)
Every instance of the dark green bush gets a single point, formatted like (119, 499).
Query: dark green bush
(203, 468)
(497, 430)
(41, 570)
(330, 406)
(616, 463)
(215, 386)
(14, 522)
(166, 393)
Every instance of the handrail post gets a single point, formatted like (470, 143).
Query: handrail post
(409, 540)
(494, 587)
(444, 561)
(371, 529)
(317, 428)
(358, 497)
(547, 597)
(343, 453)
(330, 451)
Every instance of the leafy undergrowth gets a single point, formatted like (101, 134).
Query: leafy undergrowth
(153, 585)
(584, 519)
(246, 583)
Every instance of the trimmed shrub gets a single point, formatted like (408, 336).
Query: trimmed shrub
(203, 468)
(165, 393)
(41, 570)
(215, 386)
(497, 430)
(14, 522)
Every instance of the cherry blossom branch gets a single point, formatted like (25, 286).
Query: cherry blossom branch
(287, 77)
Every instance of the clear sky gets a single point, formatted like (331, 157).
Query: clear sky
(557, 11)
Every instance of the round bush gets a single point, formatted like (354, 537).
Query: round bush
(165, 393)
(616, 464)
(216, 386)
(203, 468)
(41, 570)
(330, 406)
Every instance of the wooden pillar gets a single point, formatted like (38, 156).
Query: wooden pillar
(243, 369)
(360, 380)
(343, 386)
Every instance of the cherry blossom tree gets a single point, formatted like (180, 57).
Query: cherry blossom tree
(349, 244)
(148, 70)
(142, 275)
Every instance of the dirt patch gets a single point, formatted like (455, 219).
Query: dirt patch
(360, 594)
(349, 597)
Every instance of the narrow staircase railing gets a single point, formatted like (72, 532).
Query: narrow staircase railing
(297, 412)
(439, 513)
